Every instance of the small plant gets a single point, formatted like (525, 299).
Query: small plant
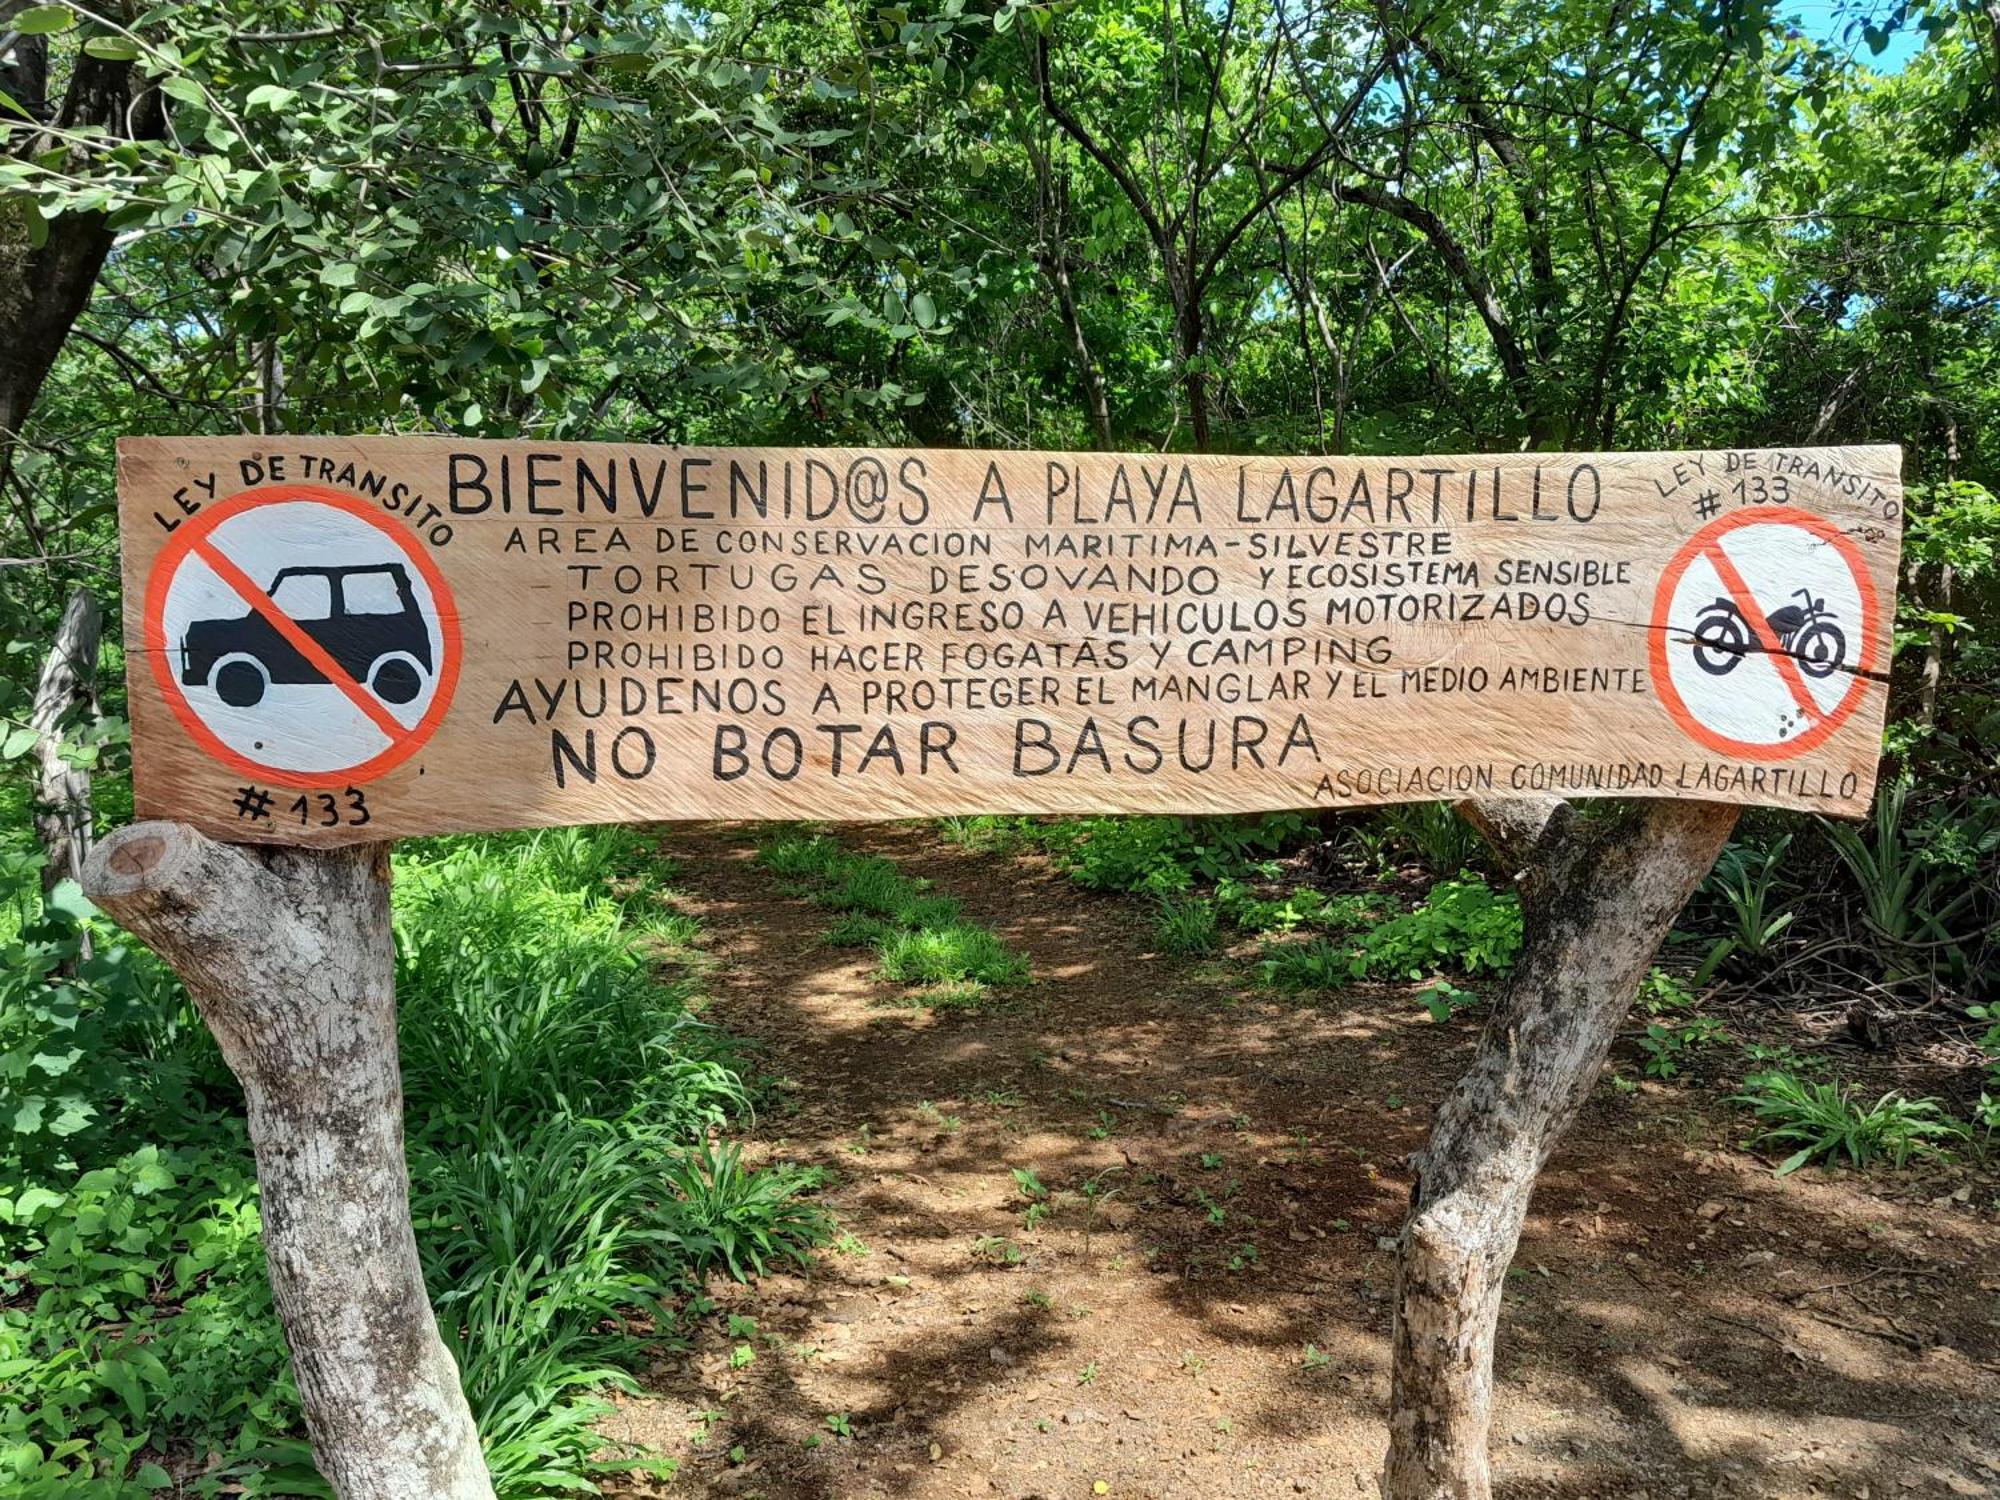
(1827, 1121)
(1036, 1297)
(1028, 1185)
(1314, 1360)
(1747, 880)
(1188, 926)
(1435, 834)
(1666, 1043)
(838, 1424)
(741, 1357)
(998, 1249)
(1443, 999)
(1243, 1257)
(1088, 1374)
(851, 1246)
(1661, 993)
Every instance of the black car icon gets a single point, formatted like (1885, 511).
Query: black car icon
(365, 617)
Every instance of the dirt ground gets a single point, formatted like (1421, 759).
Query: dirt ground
(1203, 1308)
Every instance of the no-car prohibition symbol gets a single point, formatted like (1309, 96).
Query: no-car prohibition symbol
(302, 636)
(1763, 633)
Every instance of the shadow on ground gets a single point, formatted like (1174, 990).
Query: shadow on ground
(1198, 1302)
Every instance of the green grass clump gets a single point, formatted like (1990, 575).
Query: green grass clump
(1829, 1121)
(1189, 926)
(920, 937)
(953, 954)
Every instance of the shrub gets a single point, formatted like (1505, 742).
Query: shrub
(1828, 1121)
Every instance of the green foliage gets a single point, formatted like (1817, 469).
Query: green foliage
(1463, 925)
(1188, 926)
(1302, 906)
(560, 1097)
(1167, 856)
(1436, 835)
(920, 938)
(1828, 1121)
(958, 953)
(1747, 881)
(1916, 887)
(1667, 1044)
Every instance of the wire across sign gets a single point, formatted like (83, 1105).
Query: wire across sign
(333, 639)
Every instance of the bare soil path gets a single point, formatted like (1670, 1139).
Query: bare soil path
(1201, 1310)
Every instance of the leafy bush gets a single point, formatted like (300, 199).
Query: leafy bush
(1747, 879)
(1435, 834)
(1300, 907)
(1463, 925)
(1828, 1121)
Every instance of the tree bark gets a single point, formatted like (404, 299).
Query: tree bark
(43, 288)
(62, 791)
(1599, 898)
(288, 955)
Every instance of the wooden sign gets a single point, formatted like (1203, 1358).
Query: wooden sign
(334, 639)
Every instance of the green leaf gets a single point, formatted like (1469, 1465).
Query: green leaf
(272, 96)
(112, 48)
(41, 20)
(340, 273)
(924, 310)
(184, 89)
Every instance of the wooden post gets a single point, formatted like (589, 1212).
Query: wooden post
(288, 954)
(1599, 897)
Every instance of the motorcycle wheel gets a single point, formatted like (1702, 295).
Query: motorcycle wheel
(1719, 642)
(1820, 649)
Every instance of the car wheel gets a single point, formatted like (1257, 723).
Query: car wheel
(239, 681)
(395, 678)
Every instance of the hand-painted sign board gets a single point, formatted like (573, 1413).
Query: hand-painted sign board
(333, 639)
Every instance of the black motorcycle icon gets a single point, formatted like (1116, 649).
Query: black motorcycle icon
(1805, 632)
(366, 618)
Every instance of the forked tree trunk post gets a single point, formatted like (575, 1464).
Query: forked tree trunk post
(1598, 897)
(288, 955)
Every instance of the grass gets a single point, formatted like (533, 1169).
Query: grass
(568, 1185)
(922, 939)
(1829, 1121)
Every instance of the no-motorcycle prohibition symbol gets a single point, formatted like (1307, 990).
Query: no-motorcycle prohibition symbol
(1763, 633)
(302, 636)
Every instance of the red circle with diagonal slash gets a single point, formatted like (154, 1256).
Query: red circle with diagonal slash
(1706, 542)
(189, 537)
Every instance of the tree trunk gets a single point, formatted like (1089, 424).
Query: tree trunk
(288, 955)
(1599, 898)
(1095, 399)
(44, 288)
(62, 791)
